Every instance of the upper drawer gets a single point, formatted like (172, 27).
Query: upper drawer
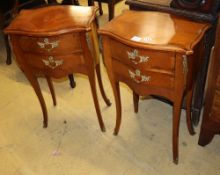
(61, 44)
(150, 59)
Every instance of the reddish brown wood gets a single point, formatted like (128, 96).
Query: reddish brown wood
(55, 42)
(177, 103)
(98, 73)
(161, 62)
(50, 84)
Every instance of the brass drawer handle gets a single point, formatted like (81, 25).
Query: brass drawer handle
(50, 62)
(136, 58)
(137, 77)
(48, 45)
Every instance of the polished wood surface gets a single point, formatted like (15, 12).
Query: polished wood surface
(211, 115)
(177, 37)
(55, 42)
(44, 21)
(154, 54)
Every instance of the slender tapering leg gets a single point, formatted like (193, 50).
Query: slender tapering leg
(117, 96)
(50, 84)
(176, 119)
(107, 101)
(91, 76)
(33, 80)
(189, 96)
(180, 79)
(114, 83)
(116, 90)
(90, 64)
(135, 101)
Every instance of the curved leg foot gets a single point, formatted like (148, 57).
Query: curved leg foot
(116, 90)
(50, 84)
(176, 120)
(114, 83)
(107, 101)
(176, 161)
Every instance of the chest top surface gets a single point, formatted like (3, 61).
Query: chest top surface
(155, 30)
(52, 20)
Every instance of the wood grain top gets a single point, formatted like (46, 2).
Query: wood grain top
(155, 30)
(52, 20)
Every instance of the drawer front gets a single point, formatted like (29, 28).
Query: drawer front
(132, 75)
(56, 66)
(61, 44)
(144, 58)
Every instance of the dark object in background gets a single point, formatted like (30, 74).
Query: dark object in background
(9, 9)
(65, 2)
(211, 115)
(204, 6)
(6, 5)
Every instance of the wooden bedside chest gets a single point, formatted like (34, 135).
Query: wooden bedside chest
(54, 42)
(154, 54)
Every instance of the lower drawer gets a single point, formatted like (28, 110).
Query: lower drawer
(130, 75)
(56, 66)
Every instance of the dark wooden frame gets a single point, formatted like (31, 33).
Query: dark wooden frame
(198, 5)
(211, 118)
